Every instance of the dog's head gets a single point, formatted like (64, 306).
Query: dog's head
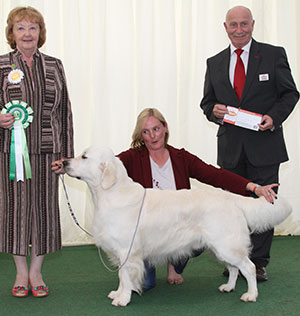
(96, 166)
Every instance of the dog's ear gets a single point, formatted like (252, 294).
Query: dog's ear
(108, 175)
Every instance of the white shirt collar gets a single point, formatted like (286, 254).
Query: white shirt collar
(246, 48)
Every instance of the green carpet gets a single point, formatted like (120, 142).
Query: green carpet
(79, 285)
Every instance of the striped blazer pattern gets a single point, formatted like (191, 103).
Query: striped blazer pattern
(52, 128)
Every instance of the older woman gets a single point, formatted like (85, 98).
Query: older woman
(34, 103)
(154, 163)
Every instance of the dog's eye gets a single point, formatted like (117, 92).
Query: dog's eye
(84, 157)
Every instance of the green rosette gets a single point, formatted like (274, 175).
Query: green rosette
(19, 157)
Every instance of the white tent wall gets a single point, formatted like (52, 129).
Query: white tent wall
(121, 56)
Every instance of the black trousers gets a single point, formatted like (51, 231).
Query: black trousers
(260, 254)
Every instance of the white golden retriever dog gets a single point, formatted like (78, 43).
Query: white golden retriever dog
(172, 223)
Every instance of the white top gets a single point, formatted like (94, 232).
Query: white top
(233, 58)
(163, 177)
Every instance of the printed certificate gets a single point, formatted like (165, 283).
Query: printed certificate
(242, 118)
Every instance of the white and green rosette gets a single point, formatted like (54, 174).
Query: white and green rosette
(18, 147)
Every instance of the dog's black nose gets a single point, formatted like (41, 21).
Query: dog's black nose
(65, 163)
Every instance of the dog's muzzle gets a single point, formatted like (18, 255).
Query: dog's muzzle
(66, 165)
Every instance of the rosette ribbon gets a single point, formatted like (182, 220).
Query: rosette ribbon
(18, 147)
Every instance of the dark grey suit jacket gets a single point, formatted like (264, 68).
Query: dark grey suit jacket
(275, 97)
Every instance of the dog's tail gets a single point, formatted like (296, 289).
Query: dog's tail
(262, 215)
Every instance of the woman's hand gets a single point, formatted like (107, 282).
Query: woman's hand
(7, 120)
(57, 166)
(266, 190)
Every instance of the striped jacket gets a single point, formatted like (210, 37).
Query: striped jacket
(44, 89)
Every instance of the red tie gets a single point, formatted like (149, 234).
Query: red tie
(239, 74)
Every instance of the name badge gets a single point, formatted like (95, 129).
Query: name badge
(264, 77)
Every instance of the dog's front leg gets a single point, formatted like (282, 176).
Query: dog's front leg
(130, 279)
(122, 296)
(113, 294)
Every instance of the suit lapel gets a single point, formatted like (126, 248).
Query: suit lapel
(224, 74)
(224, 71)
(253, 63)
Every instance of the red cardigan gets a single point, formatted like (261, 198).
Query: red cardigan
(185, 166)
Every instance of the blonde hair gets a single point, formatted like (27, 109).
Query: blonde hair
(25, 13)
(137, 139)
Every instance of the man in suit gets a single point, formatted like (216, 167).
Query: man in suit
(263, 84)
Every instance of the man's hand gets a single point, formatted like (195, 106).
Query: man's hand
(266, 123)
(220, 110)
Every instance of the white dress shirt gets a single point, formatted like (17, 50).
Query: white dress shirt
(233, 58)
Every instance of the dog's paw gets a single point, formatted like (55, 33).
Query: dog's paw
(121, 300)
(249, 297)
(226, 288)
(112, 295)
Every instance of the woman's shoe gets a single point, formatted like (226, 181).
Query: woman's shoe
(40, 291)
(20, 291)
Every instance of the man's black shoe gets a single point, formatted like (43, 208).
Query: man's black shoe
(261, 274)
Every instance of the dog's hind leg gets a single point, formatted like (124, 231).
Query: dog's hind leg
(230, 285)
(237, 259)
(248, 270)
(130, 279)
